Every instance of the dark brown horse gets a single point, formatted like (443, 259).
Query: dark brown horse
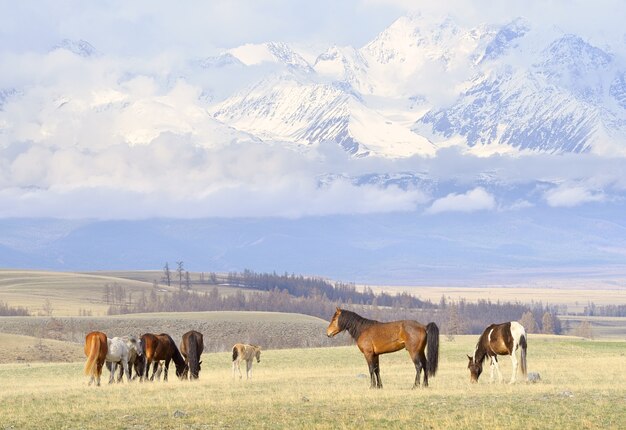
(191, 348)
(499, 339)
(157, 347)
(374, 338)
(96, 351)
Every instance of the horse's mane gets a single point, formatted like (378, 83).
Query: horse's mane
(179, 361)
(354, 323)
(480, 353)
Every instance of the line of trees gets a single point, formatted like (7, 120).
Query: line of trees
(454, 317)
(604, 310)
(12, 311)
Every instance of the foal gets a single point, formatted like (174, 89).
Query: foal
(245, 352)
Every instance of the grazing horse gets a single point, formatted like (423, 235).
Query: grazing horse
(96, 352)
(118, 352)
(191, 348)
(246, 352)
(499, 339)
(135, 359)
(158, 347)
(374, 338)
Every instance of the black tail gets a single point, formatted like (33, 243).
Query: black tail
(193, 358)
(522, 343)
(234, 353)
(432, 353)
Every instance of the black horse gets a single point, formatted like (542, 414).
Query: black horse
(191, 348)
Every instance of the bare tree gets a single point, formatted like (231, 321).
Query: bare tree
(47, 308)
(167, 275)
(529, 323)
(187, 281)
(180, 270)
(547, 323)
(584, 330)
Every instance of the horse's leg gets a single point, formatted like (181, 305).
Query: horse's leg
(98, 372)
(514, 365)
(155, 365)
(112, 369)
(379, 382)
(126, 369)
(166, 369)
(239, 368)
(422, 360)
(497, 366)
(492, 366)
(248, 369)
(369, 357)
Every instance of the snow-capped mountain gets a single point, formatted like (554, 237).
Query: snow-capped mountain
(419, 85)
(287, 109)
(489, 88)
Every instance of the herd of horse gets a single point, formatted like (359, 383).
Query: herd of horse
(156, 350)
(372, 337)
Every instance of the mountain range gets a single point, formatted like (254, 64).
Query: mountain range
(421, 85)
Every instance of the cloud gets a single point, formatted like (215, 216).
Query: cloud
(570, 196)
(474, 200)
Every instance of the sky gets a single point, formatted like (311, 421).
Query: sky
(66, 121)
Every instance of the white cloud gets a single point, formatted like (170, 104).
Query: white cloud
(570, 196)
(472, 201)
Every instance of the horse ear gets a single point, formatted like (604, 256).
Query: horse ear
(469, 358)
(338, 309)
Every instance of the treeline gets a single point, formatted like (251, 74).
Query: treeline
(189, 301)
(11, 311)
(594, 310)
(454, 318)
(300, 286)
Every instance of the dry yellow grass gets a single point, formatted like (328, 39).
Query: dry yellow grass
(70, 292)
(583, 386)
(575, 297)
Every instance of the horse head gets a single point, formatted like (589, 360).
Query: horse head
(333, 327)
(475, 368)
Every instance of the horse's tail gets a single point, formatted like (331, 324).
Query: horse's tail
(192, 356)
(92, 358)
(432, 354)
(235, 352)
(523, 345)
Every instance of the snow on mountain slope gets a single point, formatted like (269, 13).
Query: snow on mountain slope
(287, 109)
(556, 103)
(271, 52)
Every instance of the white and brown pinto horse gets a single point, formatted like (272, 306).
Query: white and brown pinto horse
(499, 339)
(246, 352)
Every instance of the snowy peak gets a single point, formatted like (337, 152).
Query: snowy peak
(271, 52)
(575, 64)
(506, 38)
(81, 47)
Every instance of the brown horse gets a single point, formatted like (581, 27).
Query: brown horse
(499, 339)
(158, 347)
(374, 338)
(96, 351)
(191, 348)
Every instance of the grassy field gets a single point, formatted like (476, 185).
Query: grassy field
(583, 386)
(69, 292)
